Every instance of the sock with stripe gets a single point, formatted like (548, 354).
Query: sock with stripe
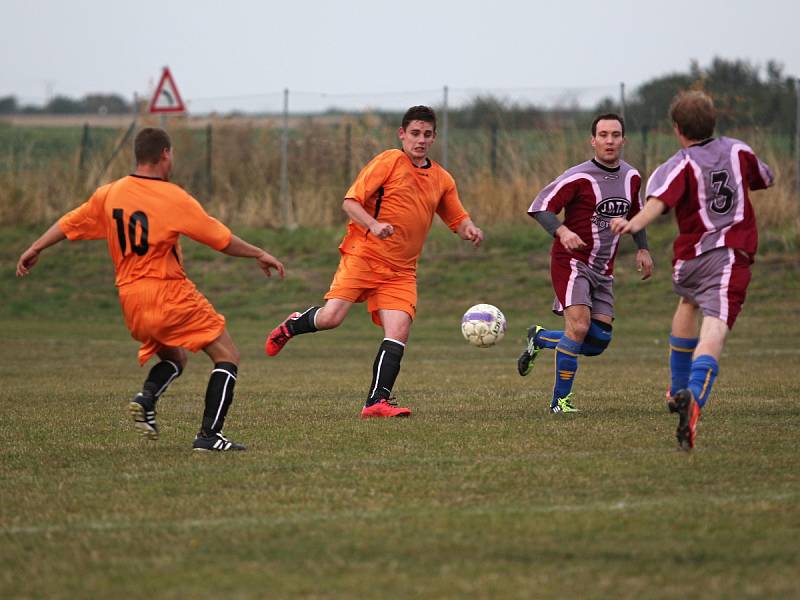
(680, 362)
(567, 352)
(385, 370)
(219, 395)
(159, 378)
(304, 323)
(547, 338)
(701, 379)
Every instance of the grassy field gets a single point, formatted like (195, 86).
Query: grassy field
(480, 494)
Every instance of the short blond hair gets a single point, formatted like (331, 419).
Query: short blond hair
(694, 114)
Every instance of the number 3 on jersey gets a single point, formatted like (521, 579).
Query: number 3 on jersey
(722, 201)
(137, 220)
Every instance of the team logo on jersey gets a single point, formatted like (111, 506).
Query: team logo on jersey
(611, 208)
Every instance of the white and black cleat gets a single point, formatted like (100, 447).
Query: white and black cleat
(216, 442)
(143, 410)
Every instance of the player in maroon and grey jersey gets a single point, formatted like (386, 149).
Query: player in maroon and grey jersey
(591, 194)
(706, 183)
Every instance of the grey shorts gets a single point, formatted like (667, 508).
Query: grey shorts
(716, 281)
(575, 283)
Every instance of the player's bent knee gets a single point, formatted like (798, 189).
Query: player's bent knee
(597, 338)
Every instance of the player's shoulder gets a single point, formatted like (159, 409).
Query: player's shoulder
(440, 171)
(586, 170)
(627, 168)
(681, 156)
(390, 156)
(731, 143)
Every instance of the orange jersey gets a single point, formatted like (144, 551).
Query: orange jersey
(394, 191)
(141, 219)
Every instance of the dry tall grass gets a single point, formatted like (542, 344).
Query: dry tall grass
(497, 174)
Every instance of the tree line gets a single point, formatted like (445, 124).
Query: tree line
(746, 95)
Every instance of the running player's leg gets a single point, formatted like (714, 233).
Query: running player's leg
(537, 336)
(682, 343)
(386, 367)
(393, 306)
(353, 277)
(705, 364)
(313, 319)
(219, 394)
(689, 401)
(163, 373)
(716, 282)
(721, 306)
(168, 369)
(598, 337)
(577, 320)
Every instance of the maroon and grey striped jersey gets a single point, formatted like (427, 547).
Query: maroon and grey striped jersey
(707, 184)
(591, 194)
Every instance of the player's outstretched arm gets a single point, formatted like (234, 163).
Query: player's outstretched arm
(651, 211)
(238, 247)
(467, 230)
(31, 256)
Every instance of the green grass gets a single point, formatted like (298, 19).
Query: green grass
(480, 494)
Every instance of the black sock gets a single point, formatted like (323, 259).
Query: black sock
(304, 323)
(219, 396)
(160, 376)
(385, 370)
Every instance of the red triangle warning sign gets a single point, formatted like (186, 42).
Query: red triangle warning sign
(167, 98)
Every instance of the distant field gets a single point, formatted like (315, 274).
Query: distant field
(480, 494)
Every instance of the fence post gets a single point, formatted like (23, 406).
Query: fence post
(797, 137)
(493, 151)
(209, 165)
(83, 155)
(111, 158)
(645, 131)
(444, 128)
(284, 191)
(348, 151)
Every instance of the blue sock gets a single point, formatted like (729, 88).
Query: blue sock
(701, 380)
(680, 362)
(548, 338)
(566, 365)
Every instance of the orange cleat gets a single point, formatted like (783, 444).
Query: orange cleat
(384, 408)
(684, 404)
(279, 336)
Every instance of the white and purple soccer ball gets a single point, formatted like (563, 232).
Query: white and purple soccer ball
(483, 325)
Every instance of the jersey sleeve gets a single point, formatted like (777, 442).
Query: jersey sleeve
(555, 196)
(636, 195)
(668, 182)
(450, 208)
(87, 221)
(372, 177)
(196, 223)
(759, 175)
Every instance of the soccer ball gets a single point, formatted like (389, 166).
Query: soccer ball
(483, 325)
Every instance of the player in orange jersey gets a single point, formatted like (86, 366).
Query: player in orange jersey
(141, 217)
(391, 206)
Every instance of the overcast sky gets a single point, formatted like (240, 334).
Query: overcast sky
(357, 52)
